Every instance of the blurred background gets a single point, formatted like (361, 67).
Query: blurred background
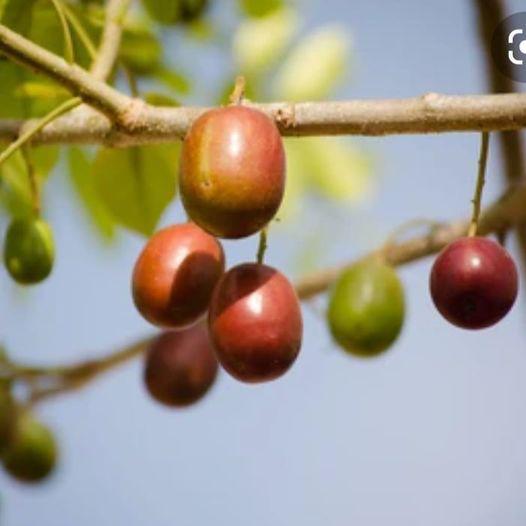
(432, 432)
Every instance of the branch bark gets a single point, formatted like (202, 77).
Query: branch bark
(128, 121)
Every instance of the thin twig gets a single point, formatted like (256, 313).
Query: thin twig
(69, 51)
(111, 39)
(26, 137)
(262, 245)
(76, 24)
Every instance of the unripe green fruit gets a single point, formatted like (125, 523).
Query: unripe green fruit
(366, 308)
(29, 250)
(32, 452)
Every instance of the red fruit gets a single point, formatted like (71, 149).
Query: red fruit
(474, 282)
(232, 171)
(175, 275)
(255, 323)
(180, 366)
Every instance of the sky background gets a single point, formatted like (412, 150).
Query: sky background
(431, 433)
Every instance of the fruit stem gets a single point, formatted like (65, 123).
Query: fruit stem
(481, 179)
(69, 51)
(262, 247)
(238, 93)
(33, 180)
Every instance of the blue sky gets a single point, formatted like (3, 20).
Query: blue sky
(432, 433)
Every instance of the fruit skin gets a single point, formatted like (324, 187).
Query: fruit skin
(29, 250)
(175, 275)
(181, 366)
(366, 308)
(255, 323)
(32, 453)
(473, 282)
(232, 175)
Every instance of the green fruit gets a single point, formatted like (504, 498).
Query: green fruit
(32, 452)
(29, 250)
(366, 308)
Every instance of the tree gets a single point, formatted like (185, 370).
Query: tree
(75, 96)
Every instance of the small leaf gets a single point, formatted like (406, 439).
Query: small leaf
(172, 79)
(259, 42)
(160, 99)
(84, 184)
(140, 50)
(258, 8)
(315, 66)
(335, 168)
(163, 11)
(42, 90)
(136, 184)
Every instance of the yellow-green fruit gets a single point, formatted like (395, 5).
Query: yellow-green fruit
(29, 250)
(366, 308)
(32, 452)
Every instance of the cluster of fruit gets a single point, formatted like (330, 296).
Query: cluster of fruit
(232, 180)
(473, 284)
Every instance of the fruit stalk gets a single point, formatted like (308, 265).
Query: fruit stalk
(481, 179)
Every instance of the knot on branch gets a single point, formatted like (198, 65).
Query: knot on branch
(132, 119)
(285, 116)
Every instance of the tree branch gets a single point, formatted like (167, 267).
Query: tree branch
(92, 91)
(111, 39)
(140, 123)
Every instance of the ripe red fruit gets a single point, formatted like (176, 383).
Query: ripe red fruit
(180, 366)
(175, 275)
(232, 171)
(474, 282)
(255, 323)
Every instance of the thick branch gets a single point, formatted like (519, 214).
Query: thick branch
(142, 124)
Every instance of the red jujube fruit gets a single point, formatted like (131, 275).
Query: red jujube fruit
(255, 323)
(180, 366)
(232, 175)
(474, 282)
(175, 275)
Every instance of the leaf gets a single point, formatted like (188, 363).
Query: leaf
(136, 184)
(172, 79)
(335, 168)
(160, 99)
(315, 66)
(163, 11)
(258, 8)
(16, 14)
(15, 191)
(84, 184)
(42, 90)
(140, 50)
(259, 42)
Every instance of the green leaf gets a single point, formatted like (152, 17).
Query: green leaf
(172, 79)
(140, 50)
(258, 8)
(136, 184)
(15, 191)
(333, 168)
(42, 90)
(84, 184)
(16, 14)
(315, 66)
(159, 99)
(163, 11)
(258, 43)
